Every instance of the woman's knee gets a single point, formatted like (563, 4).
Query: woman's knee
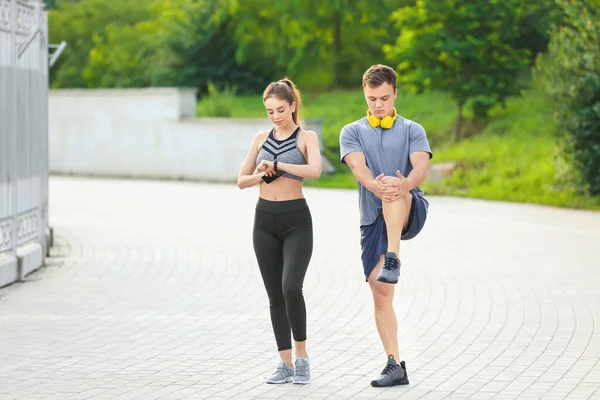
(292, 291)
(276, 299)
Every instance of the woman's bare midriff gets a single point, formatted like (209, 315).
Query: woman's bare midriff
(281, 189)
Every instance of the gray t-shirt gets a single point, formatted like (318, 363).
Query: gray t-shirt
(386, 151)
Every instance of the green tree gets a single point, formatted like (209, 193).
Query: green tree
(466, 48)
(122, 57)
(570, 73)
(319, 44)
(50, 4)
(138, 54)
(228, 42)
(81, 24)
(352, 33)
(535, 25)
(167, 43)
(205, 52)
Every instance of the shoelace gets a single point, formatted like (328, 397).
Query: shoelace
(389, 263)
(302, 370)
(388, 369)
(283, 370)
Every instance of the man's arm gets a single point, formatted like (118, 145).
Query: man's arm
(419, 153)
(399, 186)
(420, 163)
(358, 165)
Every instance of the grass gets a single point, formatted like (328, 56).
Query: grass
(435, 111)
(512, 159)
(218, 103)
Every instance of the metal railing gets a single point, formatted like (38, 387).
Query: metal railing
(23, 124)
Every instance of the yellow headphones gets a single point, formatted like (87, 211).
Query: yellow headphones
(385, 123)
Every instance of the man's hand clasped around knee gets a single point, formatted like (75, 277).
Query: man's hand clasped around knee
(393, 188)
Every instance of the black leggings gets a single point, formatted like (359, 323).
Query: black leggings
(283, 242)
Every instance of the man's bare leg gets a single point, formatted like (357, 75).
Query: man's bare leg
(395, 214)
(394, 373)
(385, 317)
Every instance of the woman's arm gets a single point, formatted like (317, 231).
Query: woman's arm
(314, 163)
(247, 176)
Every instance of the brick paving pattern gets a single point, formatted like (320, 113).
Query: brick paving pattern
(153, 292)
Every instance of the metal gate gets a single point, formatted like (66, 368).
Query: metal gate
(23, 125)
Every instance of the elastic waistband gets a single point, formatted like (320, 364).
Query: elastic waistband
(279, 207)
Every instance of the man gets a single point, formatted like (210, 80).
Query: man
(389, 156)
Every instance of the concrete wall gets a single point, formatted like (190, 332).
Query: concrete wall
(147, 133)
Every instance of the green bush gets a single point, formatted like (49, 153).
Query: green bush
(217, 103)
(570, 74)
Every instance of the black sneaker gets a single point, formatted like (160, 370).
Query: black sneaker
(393, 374)
(391, 269)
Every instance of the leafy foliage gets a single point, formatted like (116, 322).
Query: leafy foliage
(82, 24)
(319, 44)
(571, 76)
(462, 47)
(205, 50)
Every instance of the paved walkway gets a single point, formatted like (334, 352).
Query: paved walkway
(153, 292)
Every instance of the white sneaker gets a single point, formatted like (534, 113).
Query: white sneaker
(283, 374)
(302, 367)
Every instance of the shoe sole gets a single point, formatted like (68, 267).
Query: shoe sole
(301, 382)
(403, 381)
(286, 380)
(386, 281)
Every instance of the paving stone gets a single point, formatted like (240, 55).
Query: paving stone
(152, 291)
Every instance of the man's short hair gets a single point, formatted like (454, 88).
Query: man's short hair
(379, 74)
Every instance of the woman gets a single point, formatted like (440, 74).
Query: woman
(278, 161)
